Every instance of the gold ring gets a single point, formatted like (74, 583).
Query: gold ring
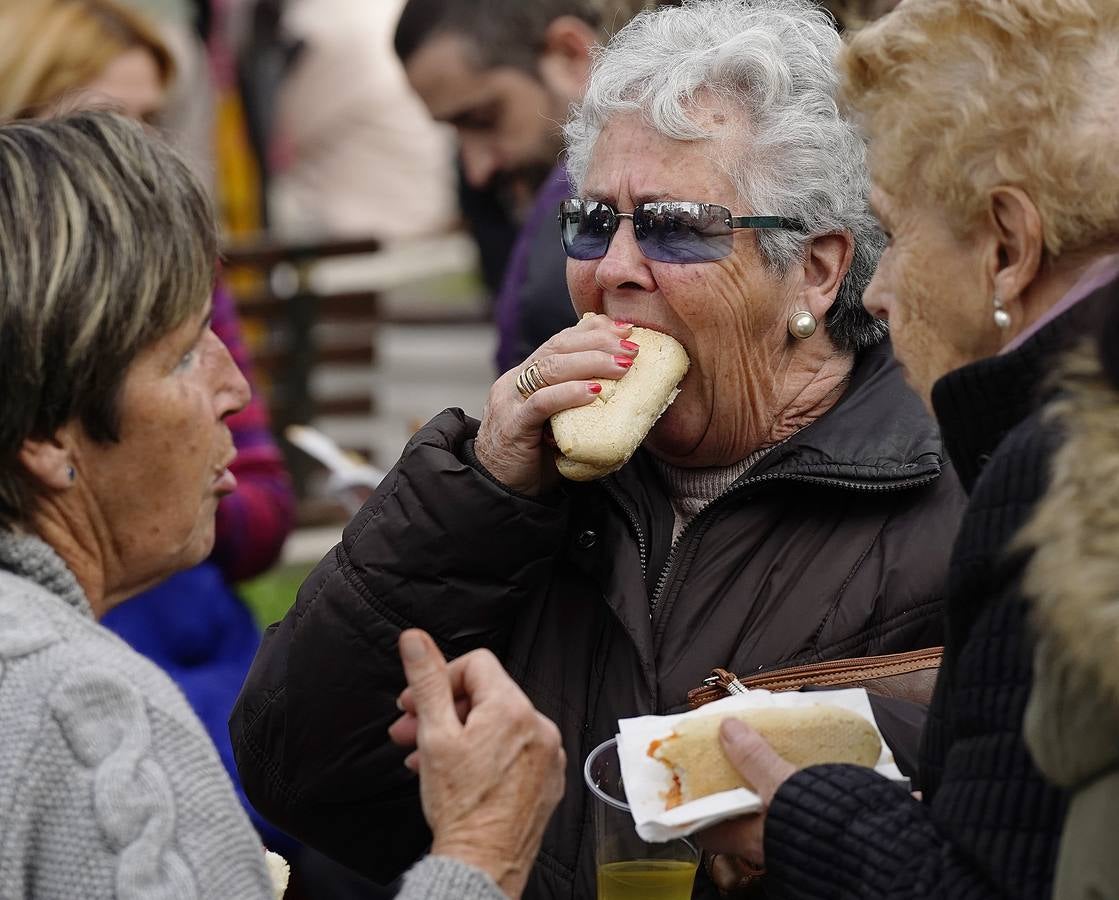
(529, 381)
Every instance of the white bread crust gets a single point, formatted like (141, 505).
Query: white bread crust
(599, 438)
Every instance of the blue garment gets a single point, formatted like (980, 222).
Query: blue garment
(201, 634)
(534, 303)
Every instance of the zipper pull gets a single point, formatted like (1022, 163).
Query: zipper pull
(726, 681)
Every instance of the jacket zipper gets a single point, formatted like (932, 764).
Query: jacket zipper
(635, 525)
(674, 553)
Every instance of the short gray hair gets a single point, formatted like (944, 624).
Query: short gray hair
(107, 243)
(798, 158)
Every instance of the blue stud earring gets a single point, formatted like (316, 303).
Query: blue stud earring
(70, 473)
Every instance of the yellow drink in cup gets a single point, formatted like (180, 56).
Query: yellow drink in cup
(640, 879)
(629, 868)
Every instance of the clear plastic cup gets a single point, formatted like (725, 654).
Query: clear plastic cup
(629, 868)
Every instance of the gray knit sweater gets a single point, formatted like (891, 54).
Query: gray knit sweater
(109, 784)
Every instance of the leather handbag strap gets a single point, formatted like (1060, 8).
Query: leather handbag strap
(909, 676)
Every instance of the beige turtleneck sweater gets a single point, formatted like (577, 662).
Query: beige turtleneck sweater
(691, 490)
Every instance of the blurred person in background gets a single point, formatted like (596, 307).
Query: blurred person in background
(999, 191)
(186, 112)
(504, 73)
(851, 14)
(356, 153)
(791, 506)
(60, 54)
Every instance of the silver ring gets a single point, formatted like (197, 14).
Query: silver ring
(529, 381)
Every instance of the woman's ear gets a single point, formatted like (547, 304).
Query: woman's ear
(50, 461)
(1020, 245)
(565, 61)
(826, 261)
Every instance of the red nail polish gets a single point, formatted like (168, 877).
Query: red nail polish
(624, 361)
(594, 387)
(620, 324)
(628, 345)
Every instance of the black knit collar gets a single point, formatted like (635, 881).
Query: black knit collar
(978, 404)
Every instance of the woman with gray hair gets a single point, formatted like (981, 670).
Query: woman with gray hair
(113, 457)
(791, 506)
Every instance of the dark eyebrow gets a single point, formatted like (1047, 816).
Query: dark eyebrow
(469, 117)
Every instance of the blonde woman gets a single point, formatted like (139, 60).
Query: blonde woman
(993, 137)
(76, 53)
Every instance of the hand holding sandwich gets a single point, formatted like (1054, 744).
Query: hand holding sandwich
(490, 766)
(510, 442)
(759, 765)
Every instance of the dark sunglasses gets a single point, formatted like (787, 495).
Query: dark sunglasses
(672, 231)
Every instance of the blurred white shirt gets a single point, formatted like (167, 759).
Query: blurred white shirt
(357, 153)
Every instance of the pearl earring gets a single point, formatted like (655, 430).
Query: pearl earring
(1002, 317)
(802, 325)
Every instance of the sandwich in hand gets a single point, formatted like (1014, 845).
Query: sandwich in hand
(803, 735)
(597, 439)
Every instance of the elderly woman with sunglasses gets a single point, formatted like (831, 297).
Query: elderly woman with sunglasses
(793, 505)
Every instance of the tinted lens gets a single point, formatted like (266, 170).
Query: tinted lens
(586, 227)
(676, 232)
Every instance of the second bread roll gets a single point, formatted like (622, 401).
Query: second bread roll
(803, 735)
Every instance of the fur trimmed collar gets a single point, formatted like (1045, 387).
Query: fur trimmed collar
(1073, 575)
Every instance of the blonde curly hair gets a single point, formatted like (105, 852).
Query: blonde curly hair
(959, 96)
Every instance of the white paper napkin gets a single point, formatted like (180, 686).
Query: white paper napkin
(647, 780)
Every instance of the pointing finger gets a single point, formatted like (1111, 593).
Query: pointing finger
(426, 671)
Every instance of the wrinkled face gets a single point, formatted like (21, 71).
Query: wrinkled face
(508, 122)
(130, 83)
(156, 490)
(729, 314)
(929, 286)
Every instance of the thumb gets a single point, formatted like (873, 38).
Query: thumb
(753, 758)
(426, 672)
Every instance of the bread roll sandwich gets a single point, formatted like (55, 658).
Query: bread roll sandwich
(597, 439)
(804, 735)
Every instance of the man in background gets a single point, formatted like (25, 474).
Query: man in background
(857, 13)
(504, 73)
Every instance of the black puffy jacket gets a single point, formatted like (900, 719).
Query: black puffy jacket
(835, 544)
